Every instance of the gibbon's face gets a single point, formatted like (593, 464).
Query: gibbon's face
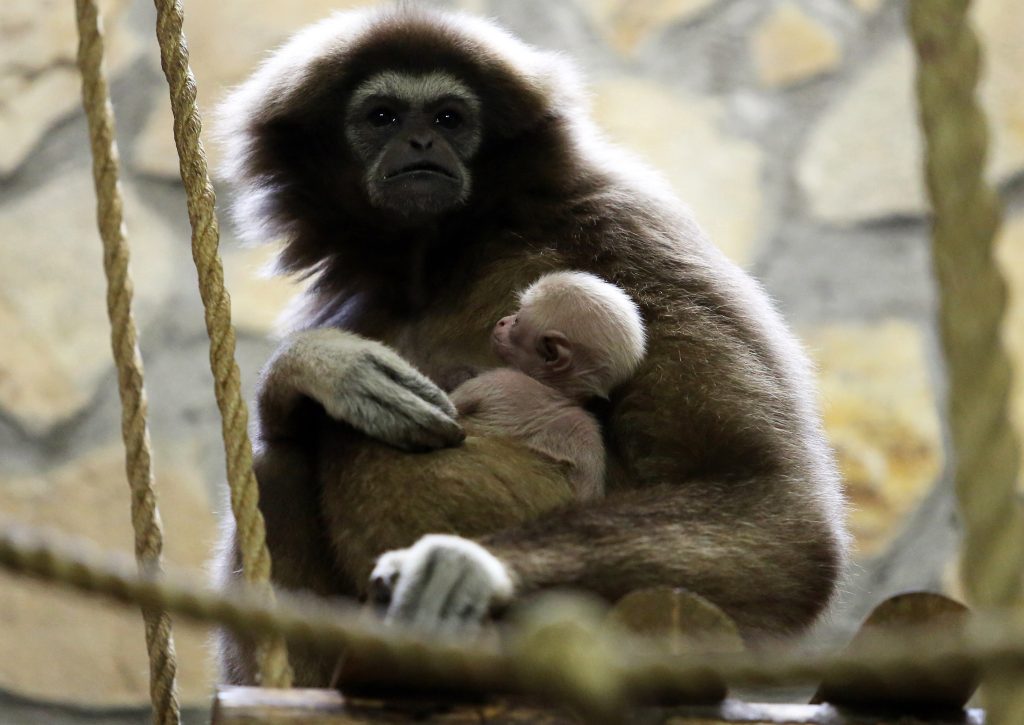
(546, 355)
(514, 340)
(415, 136)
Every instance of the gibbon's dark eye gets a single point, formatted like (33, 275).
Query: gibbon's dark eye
(382, 116)
(515, 321)
(448, 119)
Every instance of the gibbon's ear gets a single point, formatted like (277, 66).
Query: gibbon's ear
(556, 351)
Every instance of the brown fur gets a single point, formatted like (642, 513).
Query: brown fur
(719, 478)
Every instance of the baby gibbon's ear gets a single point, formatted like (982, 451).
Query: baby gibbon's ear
(555, 350)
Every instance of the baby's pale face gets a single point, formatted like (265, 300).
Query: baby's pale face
(514, 340)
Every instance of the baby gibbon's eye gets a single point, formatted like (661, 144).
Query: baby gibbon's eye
(515, 321)
(448, 119)
(382, 116)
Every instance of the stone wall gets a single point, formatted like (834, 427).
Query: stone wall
(788, 125)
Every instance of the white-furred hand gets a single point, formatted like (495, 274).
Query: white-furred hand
(442, 583)
(369, 386)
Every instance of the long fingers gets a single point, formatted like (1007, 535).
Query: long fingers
(373, 398)
(404, 418)
(417, 384)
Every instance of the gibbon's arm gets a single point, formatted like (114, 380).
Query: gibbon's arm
(773, 572)
(772, 575)
(357, 381)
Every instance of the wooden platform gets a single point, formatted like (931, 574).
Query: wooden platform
(252, 706)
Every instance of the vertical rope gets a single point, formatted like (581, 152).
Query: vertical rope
(134, 429)
(274, 667)
(972, 300)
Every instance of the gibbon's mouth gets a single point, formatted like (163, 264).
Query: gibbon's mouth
(421, 168)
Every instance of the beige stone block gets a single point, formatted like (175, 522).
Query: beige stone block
(716, 174)
(1010, 253)
(951, 582)
(627, 23)
(868, 7)
(223, 59)
(258, 299)
(39, 82)
(881, 417)
(1000, 24)
(863, 160)
(53, 318)
(477, 7)
(789, 46)
(71, 648)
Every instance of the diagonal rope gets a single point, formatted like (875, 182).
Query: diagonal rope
(134, 429)
(274, 668)
(973, 302)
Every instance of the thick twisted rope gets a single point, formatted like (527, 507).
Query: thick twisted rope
(274, 668)
(134, 429)
(565, 656)
(972, 300)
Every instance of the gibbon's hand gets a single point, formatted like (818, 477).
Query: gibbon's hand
(442, 583)
(369, 386)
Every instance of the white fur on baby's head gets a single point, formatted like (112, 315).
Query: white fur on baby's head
(594, 314)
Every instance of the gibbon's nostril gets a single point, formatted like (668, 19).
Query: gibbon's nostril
(501, 322)
(421, 143)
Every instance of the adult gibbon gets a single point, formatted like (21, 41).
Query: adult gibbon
(422, 167)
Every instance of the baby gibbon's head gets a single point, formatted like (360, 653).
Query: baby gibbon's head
(575, 332)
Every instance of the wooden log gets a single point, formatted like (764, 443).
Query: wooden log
(913, 691)
(259, 706)
(681, 623)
